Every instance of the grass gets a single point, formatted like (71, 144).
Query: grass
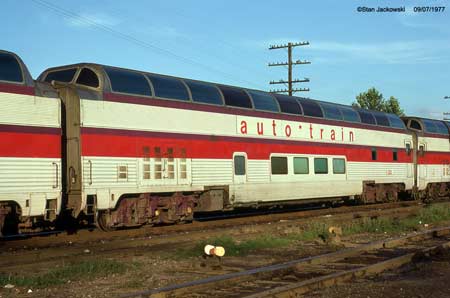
(233, 247)
(429, 215)
(68, 272)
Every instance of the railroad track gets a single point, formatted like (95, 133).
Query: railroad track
(53, 238)
(45, 250)
(298, 277)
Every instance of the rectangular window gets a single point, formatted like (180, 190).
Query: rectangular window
(183, 164)
(408, 148)
(301, 165)
(279, 165)
(239, 165)
(338, 166)
(122, 172)
(158, 167)
(146, 171)
(170, 169)
(320, 166)
(422, 150)
(394, 155)
(374, 153)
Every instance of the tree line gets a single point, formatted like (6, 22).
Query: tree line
(372, 99)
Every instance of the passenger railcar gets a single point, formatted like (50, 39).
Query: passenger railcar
(30, 148)
(432, 166)
(155, 148)
(132, 147)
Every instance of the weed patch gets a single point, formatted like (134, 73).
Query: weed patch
(61, 275)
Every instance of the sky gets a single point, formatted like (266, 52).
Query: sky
(405, 55)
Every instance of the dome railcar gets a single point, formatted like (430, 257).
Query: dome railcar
(135, 147)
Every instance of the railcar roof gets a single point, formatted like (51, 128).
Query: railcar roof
(432, 126)
(13, 70)
(147, 84)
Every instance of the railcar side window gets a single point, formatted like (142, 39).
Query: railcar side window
(396, 121)
(204, 93)
(288, 104)
(381, 119)
(441, 127)
(415, 125)
(366, 117)
(374, 154)
(128, 82)
(122, 172)
(236, 97)
(182, 164)
(320, 165)
(301, 165)
(88, 78)
(422, 150)
(350, 114)
(146, 169)
(279, 165)
(10, 68)
(430, 126)
(338, 166)
(264, 101)
(311, 108)
(168, 87)
(408, 148)
(65, 75)
(394, 154)
(331, 111)
(239, 165)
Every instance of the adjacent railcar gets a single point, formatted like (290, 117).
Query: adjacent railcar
(432, 165)
(30, 149)
(155, 148)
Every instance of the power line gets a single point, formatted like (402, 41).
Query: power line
(196, 45)
(132, 39)
(289, 64)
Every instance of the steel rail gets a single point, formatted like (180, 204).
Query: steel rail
(182, 289)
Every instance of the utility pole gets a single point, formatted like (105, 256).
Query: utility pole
(289, 64)
(446, 114)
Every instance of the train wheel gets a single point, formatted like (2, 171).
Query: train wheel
(103, 221)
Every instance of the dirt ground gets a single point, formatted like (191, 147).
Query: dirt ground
(150, 266)
(429, 277)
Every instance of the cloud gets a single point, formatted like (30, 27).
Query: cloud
(88, 20)
(429, 113)
(399, 52)
(163, 31)
(402, 52)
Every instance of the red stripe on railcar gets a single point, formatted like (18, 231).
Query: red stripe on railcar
(215, 147)
(431, 157)
(17, 89)
(39, 145)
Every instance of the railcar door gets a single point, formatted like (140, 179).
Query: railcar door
(422, 166)
(240, 168)
(409, 153)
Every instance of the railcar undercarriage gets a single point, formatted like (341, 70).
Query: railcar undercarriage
(140, 209)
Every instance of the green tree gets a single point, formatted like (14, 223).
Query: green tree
(392, 105)
(372, 99)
